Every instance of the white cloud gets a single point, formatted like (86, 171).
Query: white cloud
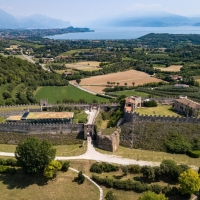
(138, 6)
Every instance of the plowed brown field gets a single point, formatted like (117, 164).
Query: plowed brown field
(139, 78)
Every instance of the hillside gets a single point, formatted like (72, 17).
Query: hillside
(19, 79)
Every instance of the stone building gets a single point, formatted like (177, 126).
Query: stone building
(132, 103)
(187, 106)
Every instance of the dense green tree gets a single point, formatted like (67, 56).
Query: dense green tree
(189, 182)
(78, 80)
(34, 155)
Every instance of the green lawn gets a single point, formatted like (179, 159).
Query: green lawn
(61, 150)
(130, 93)
(159, 110)
(153, 156)
(22, 186)
(55, 93)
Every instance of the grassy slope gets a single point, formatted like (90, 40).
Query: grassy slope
(159, 110)
(53, 94)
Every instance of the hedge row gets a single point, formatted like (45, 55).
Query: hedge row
(7, 170)
(194, 154)
(103, 167)
(135, 186)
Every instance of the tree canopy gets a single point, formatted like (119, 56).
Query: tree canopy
(34, 155)
(152, 196)
(189, 181)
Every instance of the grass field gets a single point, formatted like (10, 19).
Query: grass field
(172, 68)
(159, 110)
(153, 156)
(84, 66)
(20, 186)
(61, 150)
(76, 51)
(55, 93)
(130, 93)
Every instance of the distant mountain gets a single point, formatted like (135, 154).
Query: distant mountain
(155, 19)
(42, 22)
(152, 20)
(7, 21)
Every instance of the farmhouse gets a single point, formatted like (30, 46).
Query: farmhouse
(131, 103)
(43, 117)
(187, 106)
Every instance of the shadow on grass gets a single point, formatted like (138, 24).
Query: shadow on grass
(118, 177)
(20, 180)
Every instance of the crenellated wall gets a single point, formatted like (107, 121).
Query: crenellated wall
(41, 128)
(151, 132)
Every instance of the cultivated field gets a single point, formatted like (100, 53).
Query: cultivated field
(84, 66)
(172, 68)
(139, 78)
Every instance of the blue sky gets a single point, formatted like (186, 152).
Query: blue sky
(81, 11)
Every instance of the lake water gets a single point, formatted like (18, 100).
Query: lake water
(125, 33)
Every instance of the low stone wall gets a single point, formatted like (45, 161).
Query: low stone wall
(109, 142)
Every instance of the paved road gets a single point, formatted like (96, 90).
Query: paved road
(91, 116)
(31, 60)
(92, 154)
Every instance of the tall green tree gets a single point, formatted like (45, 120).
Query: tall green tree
(34, 155)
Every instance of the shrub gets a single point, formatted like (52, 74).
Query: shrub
(148, 172)
(156, 188)
(176, 143)
(103, 167)
(81, 177)
(11, 162)
(194, 154)
(124, 169)
(65, 166)
(110, 196)
(2, 161)
(134, 169)
(7, 170)
(151, 103)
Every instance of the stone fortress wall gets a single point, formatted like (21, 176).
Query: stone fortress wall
(129, 117)
(109, 142)
(62, 128)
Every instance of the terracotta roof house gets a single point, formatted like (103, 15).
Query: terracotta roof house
(131, 103)
(187, 107)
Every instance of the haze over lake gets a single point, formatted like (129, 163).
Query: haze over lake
(125, 33)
